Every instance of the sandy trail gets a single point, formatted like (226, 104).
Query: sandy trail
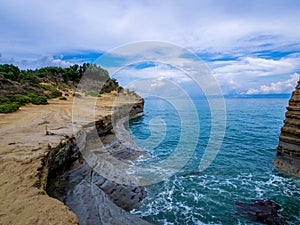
(23, 143)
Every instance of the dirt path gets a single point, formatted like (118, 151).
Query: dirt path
(23, 143)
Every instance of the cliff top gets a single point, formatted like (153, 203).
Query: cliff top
(23, 143)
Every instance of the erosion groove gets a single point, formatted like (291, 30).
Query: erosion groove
(93, 197)
(38, 146)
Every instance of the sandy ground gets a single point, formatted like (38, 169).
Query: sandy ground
(23, 143)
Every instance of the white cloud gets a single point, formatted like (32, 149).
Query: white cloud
(36, 63)
(286, 86)
(44, 28)
(246, 73)
(258, 67)
(157, 73)
(34, 31)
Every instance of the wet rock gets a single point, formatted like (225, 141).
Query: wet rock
(263, 211)
(94, 199)
(125, 196)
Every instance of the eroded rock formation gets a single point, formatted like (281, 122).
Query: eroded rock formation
(68, 176)
(288, 152)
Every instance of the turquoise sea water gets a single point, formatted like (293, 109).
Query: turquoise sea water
(241, 172)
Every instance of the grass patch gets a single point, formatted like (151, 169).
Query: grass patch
(92, 93)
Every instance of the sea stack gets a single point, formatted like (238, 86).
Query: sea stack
(287, 157)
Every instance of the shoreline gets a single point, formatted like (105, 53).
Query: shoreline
(25, 162)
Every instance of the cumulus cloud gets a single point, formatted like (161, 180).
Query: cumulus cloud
(35, 30)
(157, 73)
(276, 88)
(36, 63)
(247, 73)
(258, 67)
(41, 27)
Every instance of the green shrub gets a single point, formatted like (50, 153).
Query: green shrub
(9, 107)
(20, 99)
(54, 92)
(30, 76)
(38, 99)
(63, 98)
(4, 100)
(45, 87)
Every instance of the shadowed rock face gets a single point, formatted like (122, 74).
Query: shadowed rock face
(263, 211)
(288, 152)
(94, 198)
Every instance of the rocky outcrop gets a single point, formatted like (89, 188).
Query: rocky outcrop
(263, 211)
(38, 146)
(92, 197)
(287, 157)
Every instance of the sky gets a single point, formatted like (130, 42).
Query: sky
(250, 47)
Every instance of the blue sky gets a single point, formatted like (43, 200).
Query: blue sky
(251, 47)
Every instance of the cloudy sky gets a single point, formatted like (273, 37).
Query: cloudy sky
(251, 47)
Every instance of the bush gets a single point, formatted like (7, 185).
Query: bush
(62, 98)
(20, 99)
(30, 76)
(9, 107)
(54, 92)
(4, 100)
(38, 99)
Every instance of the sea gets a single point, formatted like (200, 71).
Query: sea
(242, 170)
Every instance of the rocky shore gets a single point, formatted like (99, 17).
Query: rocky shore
(40, 157)
(287, 157)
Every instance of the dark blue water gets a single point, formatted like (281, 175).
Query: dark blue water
(241, 172)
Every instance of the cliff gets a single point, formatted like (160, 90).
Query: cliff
(37, 144)
(287, 157)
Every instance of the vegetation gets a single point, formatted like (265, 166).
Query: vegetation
(63, 98)
(8, 107)
(19, 87)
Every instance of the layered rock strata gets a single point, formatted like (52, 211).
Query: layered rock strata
(287, 157)
(37, 144)
(94, 198)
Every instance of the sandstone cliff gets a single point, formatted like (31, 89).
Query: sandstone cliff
(288, 152)
(36, 143)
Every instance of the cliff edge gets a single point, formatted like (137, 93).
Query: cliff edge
(34, 142)
(287, 157)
